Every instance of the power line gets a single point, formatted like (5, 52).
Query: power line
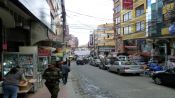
(81, 23)
(87, 15)
(80, 28)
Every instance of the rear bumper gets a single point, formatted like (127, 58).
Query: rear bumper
(132, 71)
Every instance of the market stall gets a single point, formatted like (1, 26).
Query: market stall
(28, 65)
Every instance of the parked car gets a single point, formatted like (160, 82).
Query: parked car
(80, 61)
(123, 58)
(92, 62)
(97, 62)
(126, 67)
(164, 77)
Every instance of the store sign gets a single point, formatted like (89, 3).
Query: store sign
(127, 4)
(4, 46)
(91, 40)
(44, 52)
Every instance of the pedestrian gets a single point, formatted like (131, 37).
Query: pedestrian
(11, 83)
(65, 72)
(69, 61)
(52, 76)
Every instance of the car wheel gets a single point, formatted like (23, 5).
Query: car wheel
(109, 69)
(157, 81)
(138, 74)
(119, 72)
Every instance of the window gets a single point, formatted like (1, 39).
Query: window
(117, 9)
(127, 16)
(117, 20)
(127, 30)
(140, 10)
(140, 26)
(118, 31)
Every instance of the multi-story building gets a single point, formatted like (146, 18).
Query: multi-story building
(56, 20)
(104, 39)
(147, 28)
(117, 25)
(24, 23)
(133, 26)
(73, 42)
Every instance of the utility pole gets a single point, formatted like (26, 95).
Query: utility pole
(64, 19)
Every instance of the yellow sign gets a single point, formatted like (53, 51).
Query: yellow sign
(134, 36)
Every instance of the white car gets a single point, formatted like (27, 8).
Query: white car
(126, 67)
(123, 58)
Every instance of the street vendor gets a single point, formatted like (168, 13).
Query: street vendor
(11, 83)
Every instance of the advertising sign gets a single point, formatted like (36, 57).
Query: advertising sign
(91, 40)
(127, 4)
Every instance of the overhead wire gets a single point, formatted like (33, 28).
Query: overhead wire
(77, 13)
(81, 23)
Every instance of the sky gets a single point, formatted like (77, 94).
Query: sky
(83, 16)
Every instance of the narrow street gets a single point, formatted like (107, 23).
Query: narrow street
(97, 83)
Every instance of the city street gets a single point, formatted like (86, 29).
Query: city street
(97, 83)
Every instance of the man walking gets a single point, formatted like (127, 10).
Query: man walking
(65, 72)
(52, 76)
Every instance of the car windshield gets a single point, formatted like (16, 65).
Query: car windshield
(98, 60)
(128, 63)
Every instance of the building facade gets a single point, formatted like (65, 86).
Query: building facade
(25, 23)
(104, 39)
(146, 29)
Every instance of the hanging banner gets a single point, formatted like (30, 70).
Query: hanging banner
(127, 4)
(44, 52)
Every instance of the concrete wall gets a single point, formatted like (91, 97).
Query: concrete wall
(38, 33)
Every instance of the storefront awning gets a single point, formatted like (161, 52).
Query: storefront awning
(7, 19)
(50, 43)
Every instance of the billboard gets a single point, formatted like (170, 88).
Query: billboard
(127, 4)
(40, 9)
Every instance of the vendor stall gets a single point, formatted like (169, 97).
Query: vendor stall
(28, 65)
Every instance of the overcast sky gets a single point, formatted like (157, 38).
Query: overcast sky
(84, 15)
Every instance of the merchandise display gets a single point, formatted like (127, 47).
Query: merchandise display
(9, 61)
(28, 64)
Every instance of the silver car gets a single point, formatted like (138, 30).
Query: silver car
(126, 67)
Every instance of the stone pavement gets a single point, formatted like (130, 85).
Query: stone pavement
(66, 91)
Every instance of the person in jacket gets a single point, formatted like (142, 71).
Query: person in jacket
(11, 83)
(65, 72)
(52, 76)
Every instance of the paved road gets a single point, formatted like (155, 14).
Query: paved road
(97, 83)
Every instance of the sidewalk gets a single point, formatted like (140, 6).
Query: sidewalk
(66, 91)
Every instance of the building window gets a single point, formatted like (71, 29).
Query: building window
(127, 30)
(117, 20)
(118, 32)
(127, 16)
(140, 26)
(117, 9)
(140, 10)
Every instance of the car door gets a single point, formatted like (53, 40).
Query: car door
(115, 68)
(112, 67)
(171, 76)
(168, 76)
